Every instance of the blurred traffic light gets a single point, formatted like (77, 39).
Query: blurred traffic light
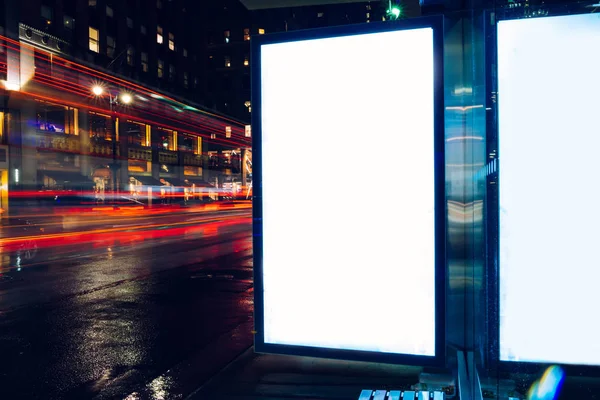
(394, 11)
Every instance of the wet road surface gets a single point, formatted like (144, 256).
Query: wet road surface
(146, 317)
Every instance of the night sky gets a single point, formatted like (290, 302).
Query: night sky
(256, 4)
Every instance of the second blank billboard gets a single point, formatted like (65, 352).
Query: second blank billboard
(549, 216)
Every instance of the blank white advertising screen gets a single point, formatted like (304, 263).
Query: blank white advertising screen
(348, 192)
(549, 138)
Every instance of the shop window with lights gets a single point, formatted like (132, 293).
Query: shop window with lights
(246, 34)
(100, 127)
(227, 36)
(111, 46)
(171, 42)
(168, 139)
(161, 68)
(190, 144)
(56, 118)
(94, 43)
(159, 34)
(213, 158)
(137, 133)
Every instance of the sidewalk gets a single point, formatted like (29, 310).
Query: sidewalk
(260, 377)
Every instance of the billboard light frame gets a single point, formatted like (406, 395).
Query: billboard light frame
(506, 368)
(440, 215)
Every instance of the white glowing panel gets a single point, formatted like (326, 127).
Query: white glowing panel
(348, 192)
(549, 138)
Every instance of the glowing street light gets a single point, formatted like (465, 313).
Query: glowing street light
(13, 86)
(126, 98)
(97, 90)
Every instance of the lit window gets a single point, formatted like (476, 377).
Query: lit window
(185, 52)
(261, 31)
(69, 22)
(171, 42)
(159, 34)
(168, 139)
(143, 29)
(47, 14)
(320, 15)
(109, 12)
(94, 44)
(161, 68)
(130, 54)
(227, 61)
(129, 23)
(144, 59)
(185, 80)
(246, 61)
(110, 46)
(92, 3)
(248, 131)
(227, 35)
(246, 34)
(368, 15)
(228, 132)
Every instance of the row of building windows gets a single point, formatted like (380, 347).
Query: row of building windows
(227, 35)
(227, 61)
(56, 118)
(94, 40)
(94, 45)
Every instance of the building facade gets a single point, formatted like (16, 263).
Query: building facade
(228, 34)
(69, 127)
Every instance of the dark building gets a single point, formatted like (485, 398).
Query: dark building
(232, 23)
(195, 50)
(154, 42)
(94, 96)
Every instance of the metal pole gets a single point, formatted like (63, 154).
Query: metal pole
(114, 151)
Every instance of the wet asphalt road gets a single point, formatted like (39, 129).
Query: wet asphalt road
(144, 319)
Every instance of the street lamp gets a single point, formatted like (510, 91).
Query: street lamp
(126, 99)
(97, 90)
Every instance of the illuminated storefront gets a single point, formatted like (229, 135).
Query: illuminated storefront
(99, 136)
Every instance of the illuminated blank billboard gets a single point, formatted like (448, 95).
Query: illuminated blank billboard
(549, 137)
(347, 134)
